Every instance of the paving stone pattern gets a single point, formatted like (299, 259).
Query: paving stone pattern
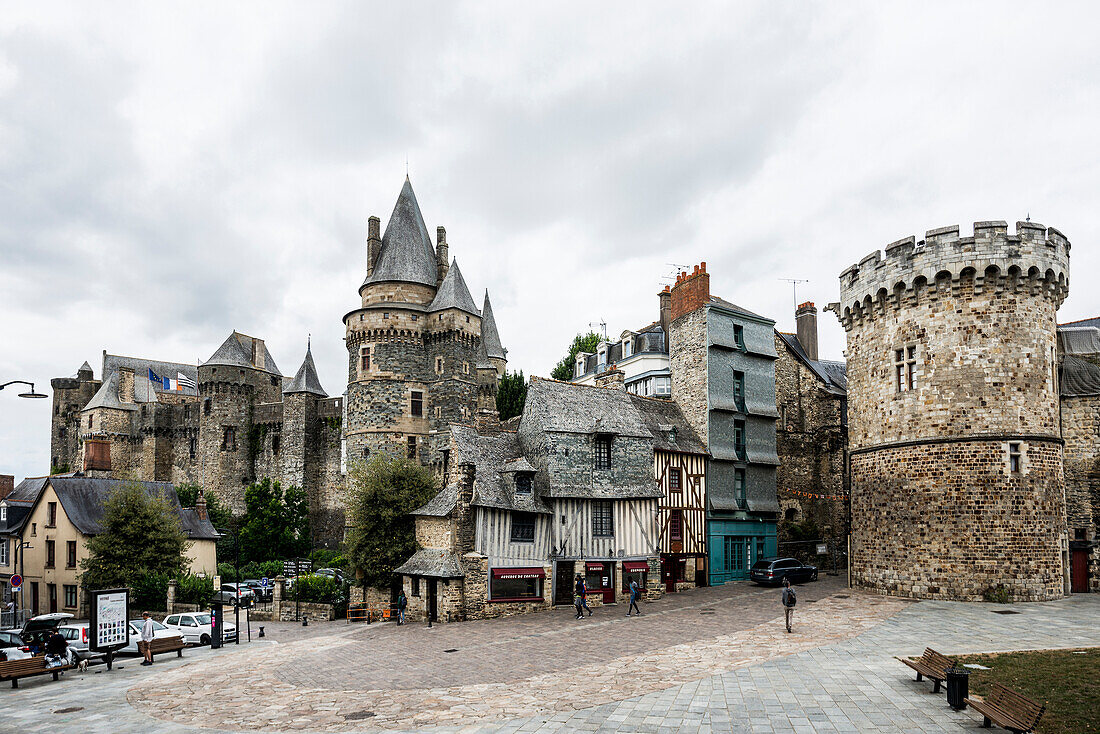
(836, 673)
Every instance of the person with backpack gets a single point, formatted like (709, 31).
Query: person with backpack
(789, 599)
(584, 596)
(578, 596)
(402, 604)
(634, 593)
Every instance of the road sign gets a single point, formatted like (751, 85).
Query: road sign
(16, 581)
(264, 583)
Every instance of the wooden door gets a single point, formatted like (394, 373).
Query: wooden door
(668, 573)
(51, 590)
(563, 582)
(34, 598)
(432, 601)
(1079, 570)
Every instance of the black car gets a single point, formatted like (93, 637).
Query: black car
(774, 570)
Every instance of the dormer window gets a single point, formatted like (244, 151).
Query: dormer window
(523, 483)
(626, 348)
(603, 451)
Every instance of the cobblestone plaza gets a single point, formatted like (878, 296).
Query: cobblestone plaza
(732, 669)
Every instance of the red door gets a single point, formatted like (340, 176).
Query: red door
(599, 578)
(668, 573)
(1079, 570)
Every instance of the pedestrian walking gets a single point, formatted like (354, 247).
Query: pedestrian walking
(147, 634)
(789, 599)
(578, 596)
(402, 604)
(584, 596)
(634, 592)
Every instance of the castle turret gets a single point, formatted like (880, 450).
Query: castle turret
(495, 351)
(70, 395)
(956, 462)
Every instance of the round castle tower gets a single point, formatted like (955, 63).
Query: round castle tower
(956, 461)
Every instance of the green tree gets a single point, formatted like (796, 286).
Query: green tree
(511, 395)
(218, 511)
(581, 343)
(381, 494)
(275, 523)
(141, 537)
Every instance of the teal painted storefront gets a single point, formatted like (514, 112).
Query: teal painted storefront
(735, 544)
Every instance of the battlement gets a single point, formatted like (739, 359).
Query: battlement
(1035, 254)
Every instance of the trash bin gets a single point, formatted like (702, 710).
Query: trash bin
(958, 688)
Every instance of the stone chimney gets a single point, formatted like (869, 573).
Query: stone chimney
(259, 354)
(200, 507)
(464, 515)
(805, 319)
(488, 422)
(665, 298)
(374, 243)
(126, 384)
(611, 378)
(7, 484)
(691, 292)
(442, 255)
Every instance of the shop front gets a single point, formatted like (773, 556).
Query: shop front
(734, 545)
(516, 584)
(599, 578)
(635, 571)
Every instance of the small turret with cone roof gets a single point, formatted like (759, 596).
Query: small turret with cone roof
(306, 380)
(490, 337)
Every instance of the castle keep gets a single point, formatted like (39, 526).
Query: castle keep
(956, 461)
(420, 355)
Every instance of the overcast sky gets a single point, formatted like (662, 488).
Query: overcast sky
(171, 173)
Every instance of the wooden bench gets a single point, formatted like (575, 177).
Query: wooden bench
(931, 665)
(13, 670)
(1008, 709)
(165, 645)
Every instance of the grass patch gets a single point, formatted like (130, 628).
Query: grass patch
(1067, 682)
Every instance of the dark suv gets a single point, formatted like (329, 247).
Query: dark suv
(774, 570)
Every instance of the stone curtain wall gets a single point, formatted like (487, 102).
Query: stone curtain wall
(1081, 431)
(688, 365)
(947, 520)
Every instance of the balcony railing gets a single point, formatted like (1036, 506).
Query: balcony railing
(739, 449)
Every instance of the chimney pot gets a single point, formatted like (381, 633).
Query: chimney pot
(805, 319)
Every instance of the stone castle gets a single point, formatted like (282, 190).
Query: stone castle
(420, 355)
(957, 483)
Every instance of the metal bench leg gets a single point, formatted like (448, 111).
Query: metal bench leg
(55, 675)
(179, 653)
(987, 723)
(935, 686)
(14, 682)
(919, 677)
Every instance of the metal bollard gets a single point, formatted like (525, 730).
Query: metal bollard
(305, 621)
(261, 630)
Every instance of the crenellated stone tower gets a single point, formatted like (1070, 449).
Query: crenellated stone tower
(416, 343)
(956, 461)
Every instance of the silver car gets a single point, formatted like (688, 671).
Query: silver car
(195, 627)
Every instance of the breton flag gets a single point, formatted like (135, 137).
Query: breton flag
(185, 381)
(167, 383)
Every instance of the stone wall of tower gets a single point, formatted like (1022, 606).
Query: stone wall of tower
(228, 395)
(70, 395)
(1081, 431)
(939, 508)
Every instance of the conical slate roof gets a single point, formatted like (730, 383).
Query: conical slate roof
(407, 254)
(107, 396)
(306, 380)
(84, 367)
(490, 337)
(453, 293)
(236, 351)
(482, 356)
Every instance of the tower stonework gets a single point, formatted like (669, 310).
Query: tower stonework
(957, 486)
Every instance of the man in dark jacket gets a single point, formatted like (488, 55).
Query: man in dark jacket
(788, 600)
(578, 596)
(58, 646)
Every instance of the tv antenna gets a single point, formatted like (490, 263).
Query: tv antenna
(602, 325)
(794, 289)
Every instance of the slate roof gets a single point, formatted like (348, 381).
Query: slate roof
(20, 501)
(482, 356)
(406, 254)
(440, 505)
(1080, 377)
(453, 293)
(1079, 339)
(141, 367)
(669, 428)
(496, 458)
(236, 351)
(833, 374)
(433, 563)
(489, 334)
(734, 307)
(1094, 323)
(107, 396)
(84, 367)
(83, 499)
(306, 380)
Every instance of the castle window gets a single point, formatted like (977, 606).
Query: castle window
(467, 319)
(414, 586)
(385, 314)
(360, 317)
(415, 317)
(187, 412)
(89, 421)
(523, 483)
(440, 317)
(905, 368)
(439, 365)
(739, 488)
(739, 336)
(466, 368)
(229, 438)
(412, 447)
(603, 521)
(674, 480)
(191, 446)
(1015, 459)
(438, 411)
(275, 445)
(603, 451)
(523, 527)
(206, 406)
(366, 452)
(62, 433)
(274, 380)
(417, 406)
(364, 359)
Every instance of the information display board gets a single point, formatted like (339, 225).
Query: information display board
(110, 620)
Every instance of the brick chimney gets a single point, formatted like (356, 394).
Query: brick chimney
(7, 484)
(692, 291)
(200, 507)
(464, 515)
(611, 378)
(805, 319)
(665, 298)
(126, 384)
(488, 422)
(442, 255)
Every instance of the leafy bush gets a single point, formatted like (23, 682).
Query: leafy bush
(150, 592)
(227, 572)
(192, 589)
(318, 589)
(261, 569)
(327, 558)
(997, 595)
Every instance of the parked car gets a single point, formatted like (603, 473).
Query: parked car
(333, 573)
(77, 637)
(195, 627)
(12, 646)
(258, 589)
(774, 570)
(37, 630)
(229, 594)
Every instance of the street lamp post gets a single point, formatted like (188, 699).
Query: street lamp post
(237, 572)
(24, 546)
(28, 394)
